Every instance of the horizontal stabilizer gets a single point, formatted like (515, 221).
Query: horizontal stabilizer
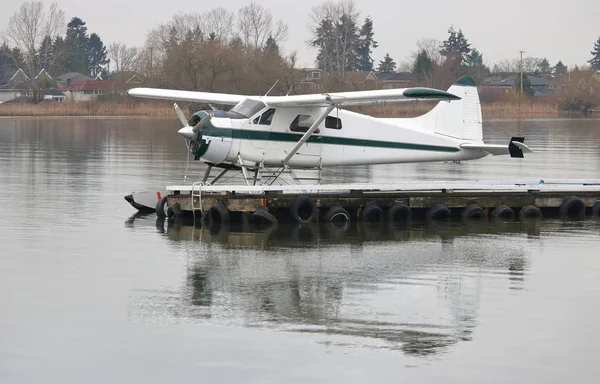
(515, 147)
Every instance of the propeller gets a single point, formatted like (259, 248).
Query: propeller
(191, 133)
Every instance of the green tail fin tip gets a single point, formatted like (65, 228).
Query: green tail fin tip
(465, 80)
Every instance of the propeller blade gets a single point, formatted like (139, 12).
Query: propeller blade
(180, 115)
(205, 120)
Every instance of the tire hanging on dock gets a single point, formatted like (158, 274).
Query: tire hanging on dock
(572, 206)
(596, 209)
(399, 212)
(174, 212)
(371, 212)
(263, 216)
(438, 212)
(530, 212)
(218, 213)
(473, 211)
(503, 212)
(304, 210)
(336, 214)
(160, 207)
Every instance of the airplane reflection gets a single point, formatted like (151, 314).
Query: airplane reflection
(414, 288)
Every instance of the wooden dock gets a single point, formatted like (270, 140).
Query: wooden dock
(389, 201)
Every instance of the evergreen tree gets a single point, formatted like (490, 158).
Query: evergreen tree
(271, 45)
(347, 43)
(527, 89)
(365, 47)
(423, 67)
(474, 65)
(76, 42)
(560, 68)
(46, 53)
(324, 39)
(456, 44)
(544, 66)
(595, 60)
(474, 59)
(387, 65)
(11, 59)
(96, 55)
(59, 49)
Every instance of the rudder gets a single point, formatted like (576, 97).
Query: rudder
(460, 119)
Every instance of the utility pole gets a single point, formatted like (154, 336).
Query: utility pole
(521, 52)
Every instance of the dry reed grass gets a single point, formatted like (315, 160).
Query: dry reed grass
(500, 109)
(89, 108)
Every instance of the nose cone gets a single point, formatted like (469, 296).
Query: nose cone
(188, 133)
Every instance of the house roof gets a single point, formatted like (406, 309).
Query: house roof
(392, 76)
(356, 76)
(14, 76)
(74, 76)
(95, 85)
(127, 77)
(509, 80)
(43, 72)
(53, 92)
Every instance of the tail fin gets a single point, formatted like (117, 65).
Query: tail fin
(460, 119)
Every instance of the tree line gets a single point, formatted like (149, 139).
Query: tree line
(240, 51)
(40, 40)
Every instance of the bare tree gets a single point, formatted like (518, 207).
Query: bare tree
(506, 66)
(255, 24)
(123, 57)
(432, 47)
(27, 29)
(220, 22)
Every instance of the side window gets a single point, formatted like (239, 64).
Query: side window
(267, 117)
(302, 123)
(333, 122)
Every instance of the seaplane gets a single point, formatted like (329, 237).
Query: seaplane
(264, 137)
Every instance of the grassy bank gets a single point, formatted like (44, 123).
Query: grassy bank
(504, 109)
(89, 108)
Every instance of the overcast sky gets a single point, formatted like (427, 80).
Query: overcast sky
(555, 29)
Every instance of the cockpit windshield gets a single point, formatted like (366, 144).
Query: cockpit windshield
(248, 107)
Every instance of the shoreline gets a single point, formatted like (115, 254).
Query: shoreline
(162, 109)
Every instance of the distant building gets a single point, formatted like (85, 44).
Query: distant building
(504, 83)
(390, 80)
(54, 94)
(128, 77)
(90, 89)
(13, 85)
(70, 78)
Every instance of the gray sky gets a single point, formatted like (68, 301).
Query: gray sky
(555, 29)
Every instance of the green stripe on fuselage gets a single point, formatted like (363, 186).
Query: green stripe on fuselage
(248, 134)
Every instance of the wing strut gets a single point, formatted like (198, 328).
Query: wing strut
(308, 133)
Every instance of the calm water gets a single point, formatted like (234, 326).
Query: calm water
(90, 292)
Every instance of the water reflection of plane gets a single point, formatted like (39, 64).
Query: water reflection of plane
(414, 288)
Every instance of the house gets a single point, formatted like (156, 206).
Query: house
(390, 80)
(90, 89)
(504, 83)
(54, 94)
(128, 77)
(12, 84)
(70, 78)
(312, 74)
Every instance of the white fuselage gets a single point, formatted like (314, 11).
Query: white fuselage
(361, 140)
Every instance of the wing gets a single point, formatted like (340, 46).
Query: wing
(359, 97)
(201, 97)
